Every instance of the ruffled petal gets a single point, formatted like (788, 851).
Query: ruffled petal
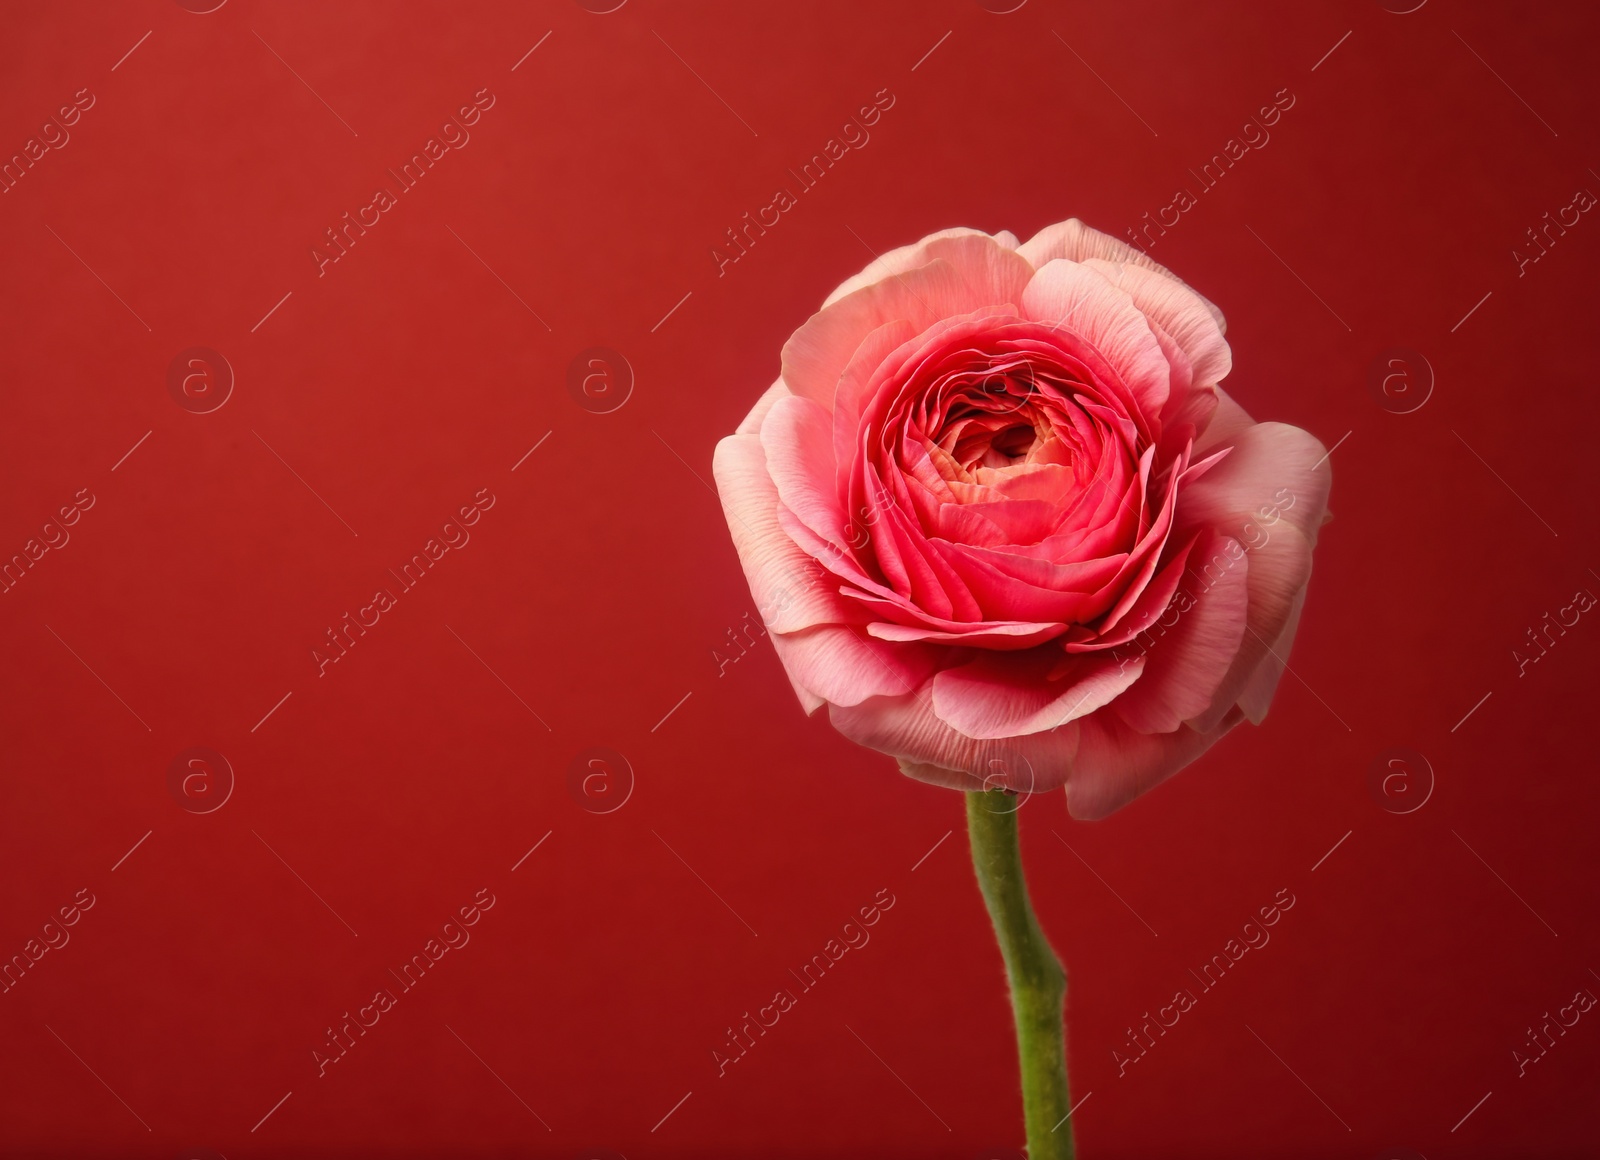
(1191, 649)
(1226, 422)
(1263, 683)
(964, 273)
(1273, 473)
(1116, 763)
(908, 729)
(898, 261)
(844, 666)
(1077, 242)
(1278, 571)
(797, 436)
(790, 588)
(998, 696)
(990, 634)
(1082, 302)
(751, 425)
(1270, 494)
(1179, 311)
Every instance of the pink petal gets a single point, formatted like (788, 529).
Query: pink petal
(844, 666)
(797, 436)
(1271, 495)
(898, 261)
(973, 272)
(908, 729)
(1083, 303)
(1192, 647)
(993, 273)
(1188, 415)
(1152, 603)
(951, 778)
(791, 590)
(1263, 683)
(1115, 763)
(856, 380)
(1077, 242)
(1273, 473)
(816, 355)
(1009, 586)
(1000, 696)
(1228, 421)
(990, 634)
(1278, 571)
(752, 422)
(1179, 311)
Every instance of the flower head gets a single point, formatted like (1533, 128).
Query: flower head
(999, 517)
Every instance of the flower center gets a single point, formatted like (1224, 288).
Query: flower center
(1014, 442)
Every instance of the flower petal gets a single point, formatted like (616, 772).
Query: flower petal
(898, 261)
(1270, 493)
(990, 634)
(1077, 242)
(856, 380)
(844, 666)
(1116, 763)
(797, 436)
(1272, 473)
(1000, 695)
(791, 590)
(752, 422)
(1226, 423)
(1179, 311)
(1263, 683)
(966, 273)
(1189, 658)
(1084, 303)
(908, 729)
(1278, 571)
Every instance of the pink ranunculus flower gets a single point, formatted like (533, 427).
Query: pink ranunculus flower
(998, 516)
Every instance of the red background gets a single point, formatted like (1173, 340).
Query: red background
(191, 997)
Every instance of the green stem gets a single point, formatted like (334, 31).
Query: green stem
(1038, 984)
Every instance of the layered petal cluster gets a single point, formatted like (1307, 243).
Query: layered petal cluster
(999, 517)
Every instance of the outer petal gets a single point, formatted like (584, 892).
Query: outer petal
(966, 273)
(1227, 422)
(808, 622)
(1000, 696)
(752, 422)
(907, 728)
(1077, 242)
(797, 436)
(1179, 311)
(791, 590)
(1000, 635)
(844, 666)
(952, 778)
(785, 582)
(1085, 303)
(1270, 493)
(905, 258)
(1278, 572)
(1273, 473)
(1115, 763)
(1191, 656)
(856, 380)
(1263, 683)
